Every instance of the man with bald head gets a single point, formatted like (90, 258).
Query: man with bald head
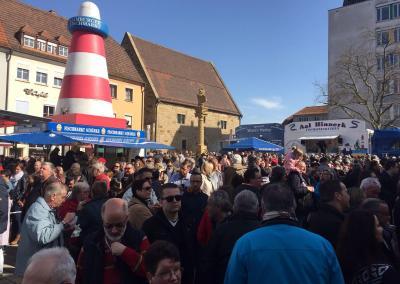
(113, 254)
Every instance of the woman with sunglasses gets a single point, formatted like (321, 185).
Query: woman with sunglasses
(139, 210)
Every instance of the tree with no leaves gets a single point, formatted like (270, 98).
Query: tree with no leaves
(366, 84)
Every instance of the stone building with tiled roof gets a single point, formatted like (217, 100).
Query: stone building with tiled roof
(310, 113)
(33, 54)
(173, 81)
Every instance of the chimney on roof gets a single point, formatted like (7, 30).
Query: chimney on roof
(53, 12)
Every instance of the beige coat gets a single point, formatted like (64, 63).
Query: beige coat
(138, 213)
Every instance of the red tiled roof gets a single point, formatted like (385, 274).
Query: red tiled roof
(177, 77)
(312, 110)
(16, 15)
(3, 37)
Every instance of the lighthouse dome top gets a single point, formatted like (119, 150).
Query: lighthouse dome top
(89, 9)
(88, 19)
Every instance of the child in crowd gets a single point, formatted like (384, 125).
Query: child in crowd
(291, 159)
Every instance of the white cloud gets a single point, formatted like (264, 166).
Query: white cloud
(272, 103)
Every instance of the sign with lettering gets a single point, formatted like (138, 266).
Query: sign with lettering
(271, 132)
(90, 24)
(349, 134)
(32, 92)
(94, 130)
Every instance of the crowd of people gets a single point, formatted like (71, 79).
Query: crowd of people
(219, 218)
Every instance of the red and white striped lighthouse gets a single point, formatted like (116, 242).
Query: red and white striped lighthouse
(85, 88)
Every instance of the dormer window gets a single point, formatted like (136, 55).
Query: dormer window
(63, 50)
(41, 45)
(29, 41)
(51, 48)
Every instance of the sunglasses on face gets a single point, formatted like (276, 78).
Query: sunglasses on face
(148, 188)
(173, 197)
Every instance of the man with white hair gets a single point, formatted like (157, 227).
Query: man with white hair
(41, 228)
(371, 187)
(99, 175)
(243, 220)
(113, 254)
(50, 266)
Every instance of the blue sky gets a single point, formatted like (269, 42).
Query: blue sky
(269, 53)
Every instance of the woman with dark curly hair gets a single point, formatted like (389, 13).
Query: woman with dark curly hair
(359, 251)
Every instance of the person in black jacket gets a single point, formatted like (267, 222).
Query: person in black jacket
(169, 225)
(89, 217)
(194, 201)
(388, 180)
(252, 181)
(328, 219)
(243, 220)
(114, 253)
(300, 186)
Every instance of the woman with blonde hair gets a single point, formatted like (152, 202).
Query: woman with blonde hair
(217, 178)
(206, 172)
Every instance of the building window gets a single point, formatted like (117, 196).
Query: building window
(128, 95)
(181, 118)
(51, 48)
(29, 41)
(113, 90)
(22, 106)
(48, 111)
(41, 77)
(63, 50)
(396, 35)
(41, 45)
(184, 144)
(23, 74)
(222, 124)
(57, 82)
(383, 13)
(128, 119)
(395, 10)
(382, 38)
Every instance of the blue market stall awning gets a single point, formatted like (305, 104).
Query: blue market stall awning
(52, 138)
(253, 144)
(64, 133)
(155, 145)
(38, 138)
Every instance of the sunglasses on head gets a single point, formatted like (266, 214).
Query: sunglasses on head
(173, 197)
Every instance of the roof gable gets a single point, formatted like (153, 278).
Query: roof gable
(177, 77)
(20, 18)
(312, 110)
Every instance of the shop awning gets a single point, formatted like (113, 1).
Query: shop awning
(38, 138)
(319, 137)
(52, 138)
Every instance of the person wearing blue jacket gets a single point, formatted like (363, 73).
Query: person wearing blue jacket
(280, 251)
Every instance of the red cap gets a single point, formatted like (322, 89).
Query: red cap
(101, 160)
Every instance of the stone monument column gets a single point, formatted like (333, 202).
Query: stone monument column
(201, 113)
